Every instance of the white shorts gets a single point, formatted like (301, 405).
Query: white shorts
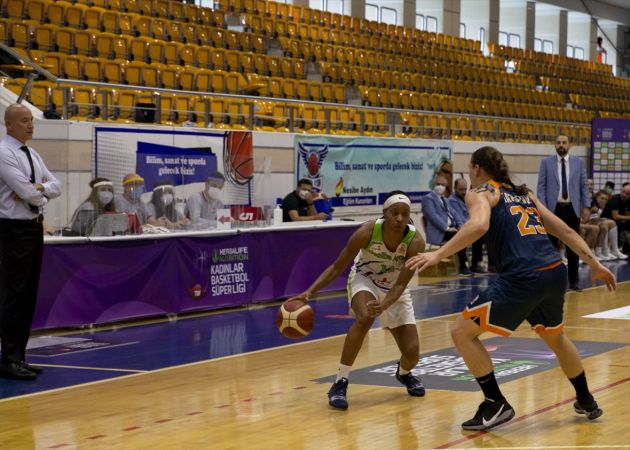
(399, 314)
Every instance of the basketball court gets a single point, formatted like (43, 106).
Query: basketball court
(229, 380)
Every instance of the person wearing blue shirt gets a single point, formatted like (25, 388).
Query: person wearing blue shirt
(440, 222)
(458, 206)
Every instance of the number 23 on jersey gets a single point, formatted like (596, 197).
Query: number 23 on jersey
(527, 213)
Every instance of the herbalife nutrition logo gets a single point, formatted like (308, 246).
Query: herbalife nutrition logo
(230, 254)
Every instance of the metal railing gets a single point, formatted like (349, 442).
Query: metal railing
(394, 123)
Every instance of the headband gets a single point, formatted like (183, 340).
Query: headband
(103, 183)
(397, 198)
(164, 186)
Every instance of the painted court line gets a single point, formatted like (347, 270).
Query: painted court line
(532, 414)
(106, 369)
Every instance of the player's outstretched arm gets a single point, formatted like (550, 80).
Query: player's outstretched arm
(479, 207)
(375, 308)
(359, 239)
(555, 226)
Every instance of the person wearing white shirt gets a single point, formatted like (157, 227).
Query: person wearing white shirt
(201, 207)
(563, 189)
(26, 185)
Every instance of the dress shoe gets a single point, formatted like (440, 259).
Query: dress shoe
(16, 371)
(35, 369)
(477, 269)
(574, 287)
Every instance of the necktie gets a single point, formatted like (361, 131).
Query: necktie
(448, 212)
(565, 195)
(34, 209)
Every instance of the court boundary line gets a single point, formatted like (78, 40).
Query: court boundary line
(105, 369)
(179, 366)
(531, 414)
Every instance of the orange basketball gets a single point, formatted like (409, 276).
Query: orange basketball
(295, 319)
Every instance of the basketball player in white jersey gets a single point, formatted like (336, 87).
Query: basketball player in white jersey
(377, 286)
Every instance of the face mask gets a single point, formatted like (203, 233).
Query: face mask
(136, 192)
(213, 192)
(104, 197)
(439, 189)
(303, 194)
(167, 199)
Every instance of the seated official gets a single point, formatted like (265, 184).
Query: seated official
(441, 224)
(130, 200)
(100, 201)
(618, 209)
(161, 209)
(457, 205)
(201, 207)
(298, 205)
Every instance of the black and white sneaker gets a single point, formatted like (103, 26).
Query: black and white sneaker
(412, 383)
(591, 410)
(490, 414)
(337, 394)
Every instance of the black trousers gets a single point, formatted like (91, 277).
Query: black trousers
(477, 252)
(567, 215)
(21, 252)
(461, 255)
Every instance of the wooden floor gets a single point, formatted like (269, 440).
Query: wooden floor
(265, 400)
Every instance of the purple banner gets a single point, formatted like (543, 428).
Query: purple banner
(106, 281)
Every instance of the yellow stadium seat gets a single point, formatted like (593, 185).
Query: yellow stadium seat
(74, 15)
(142, 25)
(218, 59)
(73, 67)
(15, 9)
(169, 76)
(114, 71)
(134, 73)
(56, 13)
(139, 48)
(126, 23)
(187, 78)
(93, 69)
(19, 33)
(36, 10)
(84, 42)
(289, 88)
(218, 81)
(163, 9)
(82, 106)
(40, 94)
(171, 53)
(159, 29)
(110, 22)
(46, 38)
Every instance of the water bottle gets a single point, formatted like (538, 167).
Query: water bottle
(277, 216)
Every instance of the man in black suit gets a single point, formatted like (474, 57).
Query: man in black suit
(26, 185)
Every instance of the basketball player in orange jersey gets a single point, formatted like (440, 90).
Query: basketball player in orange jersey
(377, 286)
(530, 286)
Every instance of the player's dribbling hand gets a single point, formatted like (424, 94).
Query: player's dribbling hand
(605, 275)
(422, 261)
(304, 296)
(374, 308)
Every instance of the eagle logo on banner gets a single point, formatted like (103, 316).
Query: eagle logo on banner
(313, 157)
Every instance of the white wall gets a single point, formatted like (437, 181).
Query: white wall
(281, 179)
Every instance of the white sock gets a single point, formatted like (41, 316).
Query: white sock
(402, 371)
(612, 240)
(343, 372)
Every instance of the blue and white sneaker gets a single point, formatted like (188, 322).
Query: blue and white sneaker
(337, 394)
(413, 384)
